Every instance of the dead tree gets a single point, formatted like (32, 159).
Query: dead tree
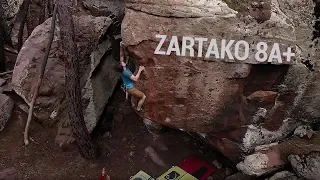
(24, 14)
(73, 95)
(2, 38)
(44, 12)
(4, 25)
(2, 56)
(43, 67)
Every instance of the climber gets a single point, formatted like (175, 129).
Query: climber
(128, 79)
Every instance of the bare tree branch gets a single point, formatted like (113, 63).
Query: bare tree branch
(24, 13)
(5, 73)
(43, 67)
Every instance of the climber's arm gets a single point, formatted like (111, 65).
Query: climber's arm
(137, 76)
(122, 53)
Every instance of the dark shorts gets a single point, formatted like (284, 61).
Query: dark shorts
(136, 93)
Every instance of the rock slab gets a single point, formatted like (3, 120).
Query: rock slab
(238, 106)
(6, 106)
(50, 105)
(307, 166)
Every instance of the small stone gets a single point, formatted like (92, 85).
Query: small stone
(304, 131)
(210, 178)
(53, 114)
(307, 166)
(258, 164)
(154, 156)
(217, 164)
(107, 135)
(265, 147)
(82, 176)
(158, 142)
(124, 139)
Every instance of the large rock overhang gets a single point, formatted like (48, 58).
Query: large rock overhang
(228, 99)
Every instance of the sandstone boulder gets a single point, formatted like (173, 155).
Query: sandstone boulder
(271, 158)
(11, 7)
(105, 7)
(6, 106)
(307, 166)
(238, 106)
(98, 78)
(283, 175)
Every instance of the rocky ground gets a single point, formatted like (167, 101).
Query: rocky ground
(122, 149)
(262, 117)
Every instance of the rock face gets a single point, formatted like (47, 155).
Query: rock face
(105, 7)
(238, 106)
(6, 106)
(283, 175)
(267, 159)
(98, 78)
(11, 7)
(307, 166)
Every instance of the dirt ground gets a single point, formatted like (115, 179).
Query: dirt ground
(122, 153)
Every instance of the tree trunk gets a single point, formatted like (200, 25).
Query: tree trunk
(2, 36)
(79, 129)
(2, 56)
(5, 27)
(43, 67)
(24, 14)
(44, 11)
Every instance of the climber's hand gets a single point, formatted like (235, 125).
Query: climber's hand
(142, 68)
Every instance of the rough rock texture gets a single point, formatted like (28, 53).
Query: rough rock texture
(265, 161)
(6, 106)
(304, 131)
(283, 175)
(105, 7)
(307, 166)
(237, 106)
(256, 164)
(98, 84)
(11, 7)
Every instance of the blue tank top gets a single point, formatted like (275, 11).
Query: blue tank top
(127, 82)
